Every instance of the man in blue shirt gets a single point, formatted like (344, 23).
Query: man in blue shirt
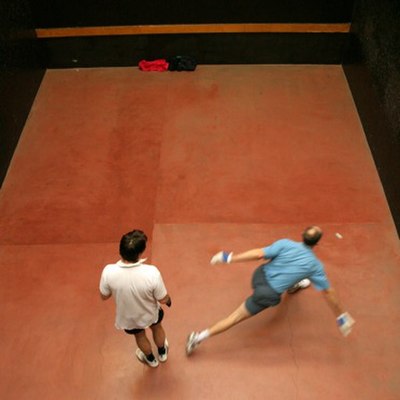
(289, 266)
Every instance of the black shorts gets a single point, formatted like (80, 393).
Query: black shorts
(135, 331)
(263, 295)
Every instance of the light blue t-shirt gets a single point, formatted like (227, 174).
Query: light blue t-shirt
(290, 263)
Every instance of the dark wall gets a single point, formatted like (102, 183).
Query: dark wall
(226, 48)
(372, 67)
(251, 48)
(61, 13)
(20, 75)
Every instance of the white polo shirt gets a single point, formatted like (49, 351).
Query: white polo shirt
(136, 289)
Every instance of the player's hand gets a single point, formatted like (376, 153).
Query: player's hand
(222, 257)
(345, 323)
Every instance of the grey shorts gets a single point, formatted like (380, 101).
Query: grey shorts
(263, 295)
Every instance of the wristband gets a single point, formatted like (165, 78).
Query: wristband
(227, 257)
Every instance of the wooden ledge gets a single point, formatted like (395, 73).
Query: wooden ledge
(187, 29)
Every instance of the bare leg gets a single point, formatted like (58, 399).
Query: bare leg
(195, 338)
(158, 334)
(239, 315)
(143, 343)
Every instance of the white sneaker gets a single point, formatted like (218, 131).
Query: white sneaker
(192, 342)
(164, 357)
(303, 284)
(143, 359)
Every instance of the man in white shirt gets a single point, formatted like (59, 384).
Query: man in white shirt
(138, 290)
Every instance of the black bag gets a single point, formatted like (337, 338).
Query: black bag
(182, 63)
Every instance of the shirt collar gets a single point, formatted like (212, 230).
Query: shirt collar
(122, 264)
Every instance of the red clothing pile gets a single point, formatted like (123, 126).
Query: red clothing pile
(160, 65)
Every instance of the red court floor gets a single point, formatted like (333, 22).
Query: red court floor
(226, 157)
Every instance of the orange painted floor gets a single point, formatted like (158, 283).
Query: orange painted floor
(226, 157)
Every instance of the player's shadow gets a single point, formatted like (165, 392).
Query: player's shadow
(279, 313)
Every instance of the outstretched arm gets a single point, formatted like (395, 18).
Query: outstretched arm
(333, 302)
(224, 257)
(250, 255)
(344, 320)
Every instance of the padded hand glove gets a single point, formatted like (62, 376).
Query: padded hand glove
(345, 323)
(223, 257)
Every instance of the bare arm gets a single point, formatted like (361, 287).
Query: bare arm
(224, 257)
(250, 255)
(333, 302)
(344, 320)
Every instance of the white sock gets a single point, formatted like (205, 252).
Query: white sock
(203, 335)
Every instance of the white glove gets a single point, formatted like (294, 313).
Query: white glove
(345, 323)
(223, 257)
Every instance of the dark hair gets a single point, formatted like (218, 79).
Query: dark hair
(132, 244)
(312, 235)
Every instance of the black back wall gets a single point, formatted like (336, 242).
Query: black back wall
(226, 48)
(217, 48)
(372, 67)
(61, 13)
(20, 75)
